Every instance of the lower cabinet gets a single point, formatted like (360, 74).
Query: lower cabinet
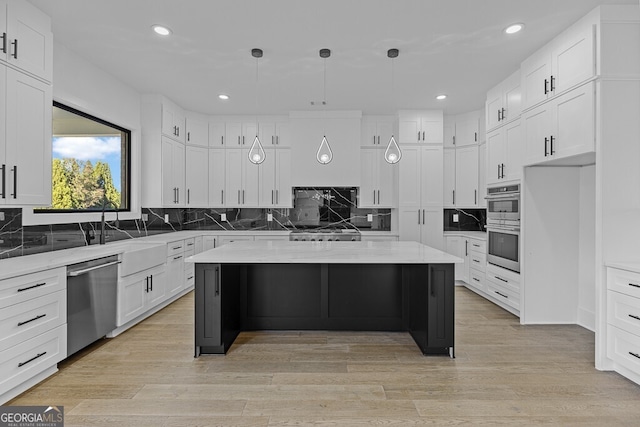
(504, 287)
(139, 292)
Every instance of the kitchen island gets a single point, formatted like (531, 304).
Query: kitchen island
(364, 286)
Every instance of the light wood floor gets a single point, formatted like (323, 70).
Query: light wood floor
(504, 374)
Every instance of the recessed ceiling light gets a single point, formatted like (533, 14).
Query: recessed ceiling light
(161, 30)
(441, 97)
(512, 29)
(223, 96)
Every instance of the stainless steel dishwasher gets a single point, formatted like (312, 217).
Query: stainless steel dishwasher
(91, 301)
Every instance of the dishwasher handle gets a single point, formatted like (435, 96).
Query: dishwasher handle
(77, 273)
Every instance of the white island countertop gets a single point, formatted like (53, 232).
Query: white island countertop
(326, 252)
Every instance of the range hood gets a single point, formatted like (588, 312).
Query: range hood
(342, 129)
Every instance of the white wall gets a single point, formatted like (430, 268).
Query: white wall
(586, 245)
(85, 87)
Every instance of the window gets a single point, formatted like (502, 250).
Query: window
(91, 163)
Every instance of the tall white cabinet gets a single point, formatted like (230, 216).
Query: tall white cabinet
(420, 191)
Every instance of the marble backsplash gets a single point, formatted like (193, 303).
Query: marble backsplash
(465, 219)
(18, 240)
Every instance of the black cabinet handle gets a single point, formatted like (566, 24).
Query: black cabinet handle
(15, 49)
(177, 257)
(546, 141)
(418, 135)
(178, 193)
(502, 169)
(546, 86)
(4, 43)
(238, 139)
(423, 137)
(419, 219)
(423, 215)
(634, 285)
(37, 285)
(466, 248)
(503, 111)
(634, 354)
(21, 364)
(31, 320)
(453, 196)
(221, 139)
(188, 136)
(151, 283)
(222, 196)
(634, 316)
(217, 285)
(146, 284)
(476, 279)
(475, 136)
(454, 140)
(475, 197)
(242, 139)
(4, 181)
(553, 83)
(499, 115)
(501, 294)
(500, 278)
(498, 171)
(15, 182)
(551, 151)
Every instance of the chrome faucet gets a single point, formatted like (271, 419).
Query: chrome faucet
(105, 202)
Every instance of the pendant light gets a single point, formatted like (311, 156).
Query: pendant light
(256, 152)
(392, 154)
(324, 154)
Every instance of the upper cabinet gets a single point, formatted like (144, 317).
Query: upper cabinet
(504, 102)
(420, 127)
(275, 179)
(27, 40)
(376, 131)
(217, 134)
(173, 121)
(567, 61)
(197, 130)
(462, 129)
(274, 134)
(504, 153)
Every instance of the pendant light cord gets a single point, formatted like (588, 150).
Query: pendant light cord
(257, 59)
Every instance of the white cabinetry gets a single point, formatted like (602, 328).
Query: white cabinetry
(422, 127)
(562, 64)
(176, 253)
(377, 179)
(503, 286)
(197, 176)
(173, 121)
(241, 179)
(140, 292)
(461, 177)
(33, 332)
(27, 40)
(224, 239)
(25, 139)
(462, 129)
(482, 175)
(217, 177)
(562, 128)
(420, 195)
(197, 130)
(172, 173)
(504, 102)
(376, 132)
(274, 134)
(504, 153)
(217, 134)
(275, 179)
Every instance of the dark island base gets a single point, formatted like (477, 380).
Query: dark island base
(417, 298)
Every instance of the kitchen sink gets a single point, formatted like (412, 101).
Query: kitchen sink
(141, 256)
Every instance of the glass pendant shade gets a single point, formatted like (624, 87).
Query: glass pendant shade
(324, 155)
(392, 154)
(256, 153)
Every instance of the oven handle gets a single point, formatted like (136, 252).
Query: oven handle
(503, 196)
(494, 228)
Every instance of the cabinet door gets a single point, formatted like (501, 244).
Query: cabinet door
(408, 130)
(132, 298)
(169, 189)
(409, 221)
(482, 175)
(28, 140)
(431, 177)
(453, 246)
(217, 174)
(233, 131)
(197, 132)
(233, 177)
(178, 164)
(574, 117)
(432, 130)
(537, 133)
(249, 132)
(267, 171)
(493, 107)
(197, 176)
(283, 135)
(250, 181)
(208, 242)
(431, 230)
(267, 133)
(369, 134)
(440, 307)
(449, 177)
(536, 76)
(385, 178)
(30, 43)
(512, 97)
(157, 289)
(514, 146)
(171, 118)
(449, 131)
(368, 179)
(3, 27)
(573, 57)
(467, 176)
(217, 135)
(4, 195)
(466, 131)
(496, 150)
(409, 177)
(283, 179)
(175, 274)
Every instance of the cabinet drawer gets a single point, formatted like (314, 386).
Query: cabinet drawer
(28, 319)
(190, 245)
(189, 274)
(175, 248)
(623, 348)
(503, 294)
(478, 246)
(626, 282)
(478, 260)
(503, 282)
(623, 311)
(477, 279)
(23, 288)
(29, 358)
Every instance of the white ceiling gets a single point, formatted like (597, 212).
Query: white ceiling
(455, 47)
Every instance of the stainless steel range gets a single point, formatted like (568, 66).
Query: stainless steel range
(328, 235)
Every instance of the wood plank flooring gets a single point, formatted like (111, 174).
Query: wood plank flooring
(504, 374)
